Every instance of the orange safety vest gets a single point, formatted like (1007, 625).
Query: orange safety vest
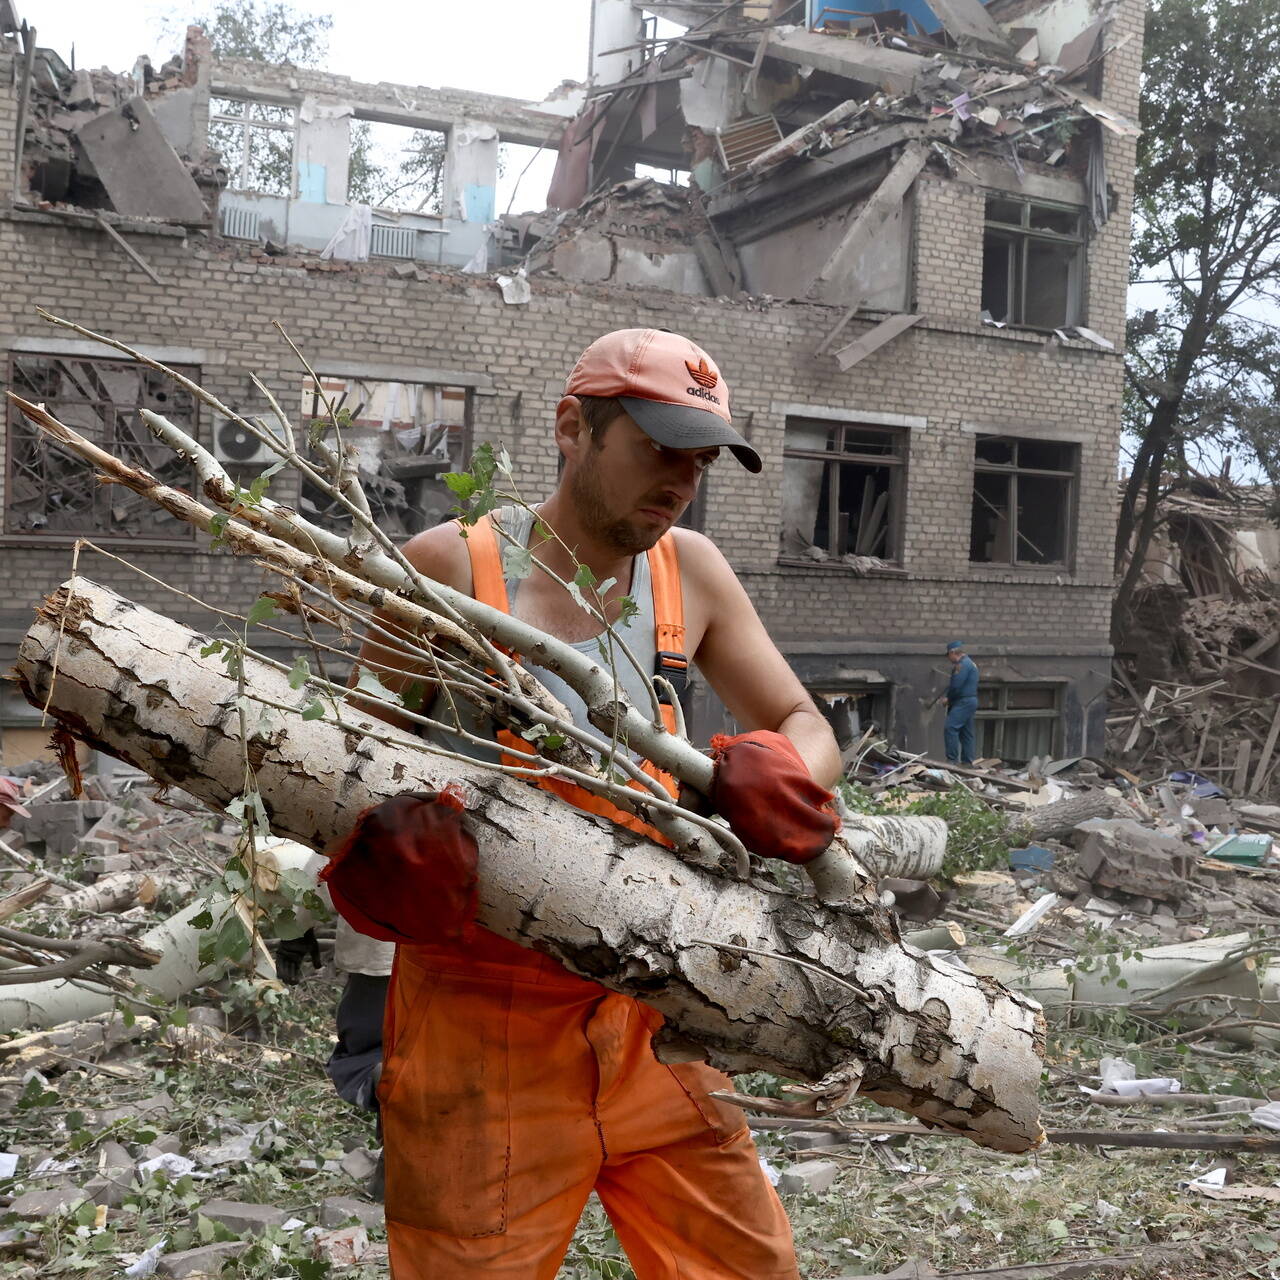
(489, 587)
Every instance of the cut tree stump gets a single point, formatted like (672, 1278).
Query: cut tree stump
(747, 976)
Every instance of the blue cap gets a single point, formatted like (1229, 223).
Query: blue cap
(955, 644)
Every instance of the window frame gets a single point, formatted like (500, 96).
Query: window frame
(184, 538)
(897, 462)
(1020, 236)
(1002, 713)
(313, 392)
(247, 124)
(1013, 470)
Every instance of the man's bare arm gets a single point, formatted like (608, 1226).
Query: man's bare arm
(744, 666)
(439, 554)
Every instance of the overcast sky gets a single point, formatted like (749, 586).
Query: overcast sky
(512, 47)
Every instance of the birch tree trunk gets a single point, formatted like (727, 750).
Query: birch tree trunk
(747, 977)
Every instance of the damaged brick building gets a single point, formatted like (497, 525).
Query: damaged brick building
(903, 231)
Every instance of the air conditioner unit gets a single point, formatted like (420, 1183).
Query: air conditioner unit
(233, 444)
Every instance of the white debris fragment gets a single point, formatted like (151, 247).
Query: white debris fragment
(144, 1264)
(168, 1162)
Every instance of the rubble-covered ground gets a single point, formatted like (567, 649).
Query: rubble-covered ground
(201, 1135)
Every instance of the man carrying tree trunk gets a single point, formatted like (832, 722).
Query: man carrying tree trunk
(511, 1087)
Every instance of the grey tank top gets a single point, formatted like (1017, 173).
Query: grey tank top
(516, 525)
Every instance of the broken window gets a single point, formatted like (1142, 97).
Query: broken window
(852, 712)
(407, 434)
(842, 490)
(48, 491)
(1016, 722)
(1022, 497)
(396, 167)
(256, 141)
(1032, 263)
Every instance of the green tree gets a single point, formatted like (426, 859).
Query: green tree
(1203, 366)
(266, 32)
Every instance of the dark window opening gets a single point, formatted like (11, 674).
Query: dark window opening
(50, 491)
(408, 435)
(1022, 499)
(1017, 722)
(1032, 264)
(853, 711)
(842, 490)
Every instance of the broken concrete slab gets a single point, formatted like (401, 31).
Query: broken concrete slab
(108, 1190)
(968, 21)
(811, 1139)
(141, 172)
(208, 1260)
(148, 1108)
(854, 59)
(359, 1164)
(241, 1216)
(811, 1176)
(44, 1203)
(1118, 853)
(337, 1211)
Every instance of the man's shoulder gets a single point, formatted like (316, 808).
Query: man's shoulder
(702, 563)
(441, 553)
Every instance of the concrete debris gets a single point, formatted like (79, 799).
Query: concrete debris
(207, 1260)
(811, 1177)
(338, 1211)
(241, 1217)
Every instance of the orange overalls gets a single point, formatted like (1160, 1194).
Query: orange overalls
(512, 1089)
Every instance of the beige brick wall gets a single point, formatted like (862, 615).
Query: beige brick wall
(950, 371)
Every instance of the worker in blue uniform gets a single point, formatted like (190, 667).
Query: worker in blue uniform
(962, 705)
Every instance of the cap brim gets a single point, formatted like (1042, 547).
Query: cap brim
(680, 426)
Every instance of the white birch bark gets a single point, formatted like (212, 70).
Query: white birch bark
(748, 976)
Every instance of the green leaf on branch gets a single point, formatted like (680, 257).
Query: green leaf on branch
(370, 684)
(517, 562)
(313, 710)
(263, 610)
(208, 650)
(299, 673)
(203, 921)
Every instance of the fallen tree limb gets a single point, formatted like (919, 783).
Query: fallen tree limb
(1156, 1139)
(112, 892)
(23, 898)
(940, 1044)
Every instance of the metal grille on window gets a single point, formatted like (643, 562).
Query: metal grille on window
(407, 434)
(48, 491)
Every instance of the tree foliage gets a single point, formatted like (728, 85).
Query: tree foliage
(1203, 367)
(266, 32)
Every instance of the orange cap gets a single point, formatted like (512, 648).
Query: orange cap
(668, 384)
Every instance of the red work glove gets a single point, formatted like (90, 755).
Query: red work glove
(762, 788)
(406, 872)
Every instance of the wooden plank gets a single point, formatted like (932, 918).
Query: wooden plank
(1143, 716)
(1241, 776)
(886, 201)
(1264, 759)
(874, 339)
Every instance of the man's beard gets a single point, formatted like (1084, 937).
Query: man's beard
(589, 503)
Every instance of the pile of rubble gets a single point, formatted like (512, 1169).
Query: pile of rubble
(1198, 664)
(1092, 858)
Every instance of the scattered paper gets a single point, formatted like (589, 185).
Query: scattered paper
(1213, 1179)
(770, 1172)
(1032, 916)
(170, 1163)
(146, 1262)
(8, 1163)
(1268, 1116)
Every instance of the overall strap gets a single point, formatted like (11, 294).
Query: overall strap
(670, 659)
(488, 585)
